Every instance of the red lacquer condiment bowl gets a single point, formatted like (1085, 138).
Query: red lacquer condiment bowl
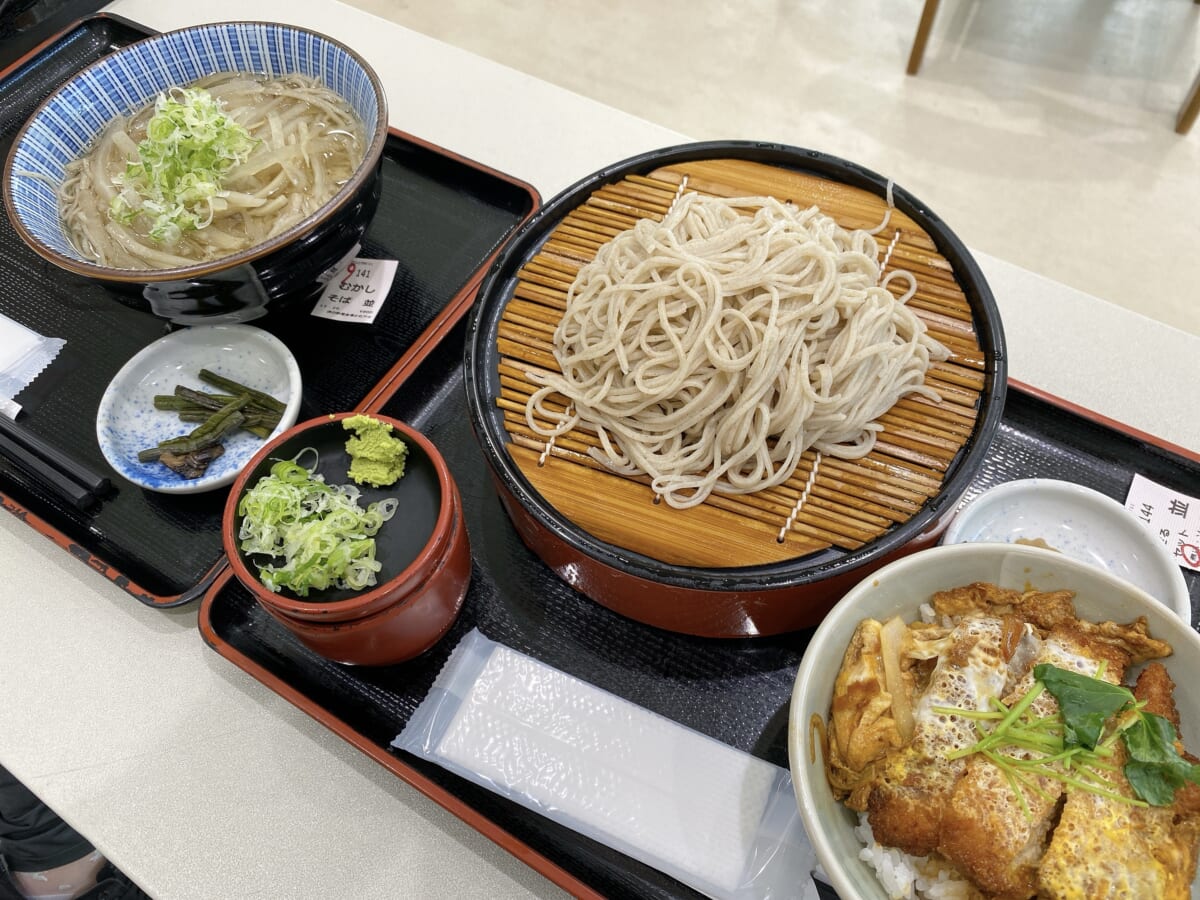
(423, 549)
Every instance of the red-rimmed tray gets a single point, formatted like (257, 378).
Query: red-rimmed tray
(443, 217)
(736, 691)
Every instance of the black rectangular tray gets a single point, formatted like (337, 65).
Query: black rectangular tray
(442, 217)
(736, 691)
(26, 24)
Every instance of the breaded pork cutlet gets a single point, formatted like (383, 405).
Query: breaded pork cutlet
(989, 648)
(1105, 848)
(993, 836)
(913, 784)
(901, 747)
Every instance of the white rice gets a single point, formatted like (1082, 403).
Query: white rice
(906, 877)
(930, 617)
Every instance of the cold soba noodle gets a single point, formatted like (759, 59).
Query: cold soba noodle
(712, 349)
(209, 170)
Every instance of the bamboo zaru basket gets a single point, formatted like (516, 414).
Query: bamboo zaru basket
(828, 502)
(735, 565)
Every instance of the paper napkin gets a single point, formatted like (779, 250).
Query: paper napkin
(23, 355)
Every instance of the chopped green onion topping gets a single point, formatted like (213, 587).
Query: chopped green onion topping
(190, 146)
(324, 537)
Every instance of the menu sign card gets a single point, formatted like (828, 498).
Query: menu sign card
(1172, 516)
(357, 290)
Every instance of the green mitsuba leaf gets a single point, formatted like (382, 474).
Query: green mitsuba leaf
(1155, 770)
(1149, 783)
(1086, 703)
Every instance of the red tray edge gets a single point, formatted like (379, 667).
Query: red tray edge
(459, 808)
(1106, 421)
(463, 811)
(375, 397)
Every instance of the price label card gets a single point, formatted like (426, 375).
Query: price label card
(357, 290)
(1172, 516)
(339, 267)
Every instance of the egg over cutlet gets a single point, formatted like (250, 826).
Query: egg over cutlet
(1105, 848)
(896, 750)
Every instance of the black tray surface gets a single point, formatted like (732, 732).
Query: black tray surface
(440, 217)
(24, 24)
(736, 691)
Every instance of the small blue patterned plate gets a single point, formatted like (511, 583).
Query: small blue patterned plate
(127, 421)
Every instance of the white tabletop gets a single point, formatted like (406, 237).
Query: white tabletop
(199, 781)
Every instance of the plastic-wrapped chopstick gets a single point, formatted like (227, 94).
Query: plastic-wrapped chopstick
(718, 819)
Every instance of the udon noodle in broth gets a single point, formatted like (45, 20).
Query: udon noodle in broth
(210, 169)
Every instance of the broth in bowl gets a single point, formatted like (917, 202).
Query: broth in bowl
(209, 169)
(206, 175)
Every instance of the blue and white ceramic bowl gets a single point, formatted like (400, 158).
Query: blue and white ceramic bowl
(238, 287)
(127, 421)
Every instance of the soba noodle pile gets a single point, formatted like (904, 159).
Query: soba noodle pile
(710, 350)
(123, 204)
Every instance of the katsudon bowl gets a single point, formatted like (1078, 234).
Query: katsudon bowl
(900, 589)
(283, 268)
(733, 566)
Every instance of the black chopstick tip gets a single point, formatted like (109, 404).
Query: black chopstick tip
(66, 476)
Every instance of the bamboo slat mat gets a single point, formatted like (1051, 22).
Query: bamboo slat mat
(849, 502)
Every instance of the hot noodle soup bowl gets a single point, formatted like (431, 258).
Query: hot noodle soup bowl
(238, 287)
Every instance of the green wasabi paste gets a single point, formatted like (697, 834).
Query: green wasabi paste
(376, 456)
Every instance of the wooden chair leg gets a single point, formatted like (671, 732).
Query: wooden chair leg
(1190, 108)
(922, 36)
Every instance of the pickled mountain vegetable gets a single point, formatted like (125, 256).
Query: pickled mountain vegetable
(215, 416)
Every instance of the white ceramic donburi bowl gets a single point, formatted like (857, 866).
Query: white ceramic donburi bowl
(1077, 521)
(899, 589)
(127, 421)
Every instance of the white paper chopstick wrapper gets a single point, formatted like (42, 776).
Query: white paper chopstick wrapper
(720, 820)
(23, 355)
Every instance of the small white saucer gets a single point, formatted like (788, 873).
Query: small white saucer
(1079, 522)
(127, 421)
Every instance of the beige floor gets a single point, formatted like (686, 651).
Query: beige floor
(1042, 131)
